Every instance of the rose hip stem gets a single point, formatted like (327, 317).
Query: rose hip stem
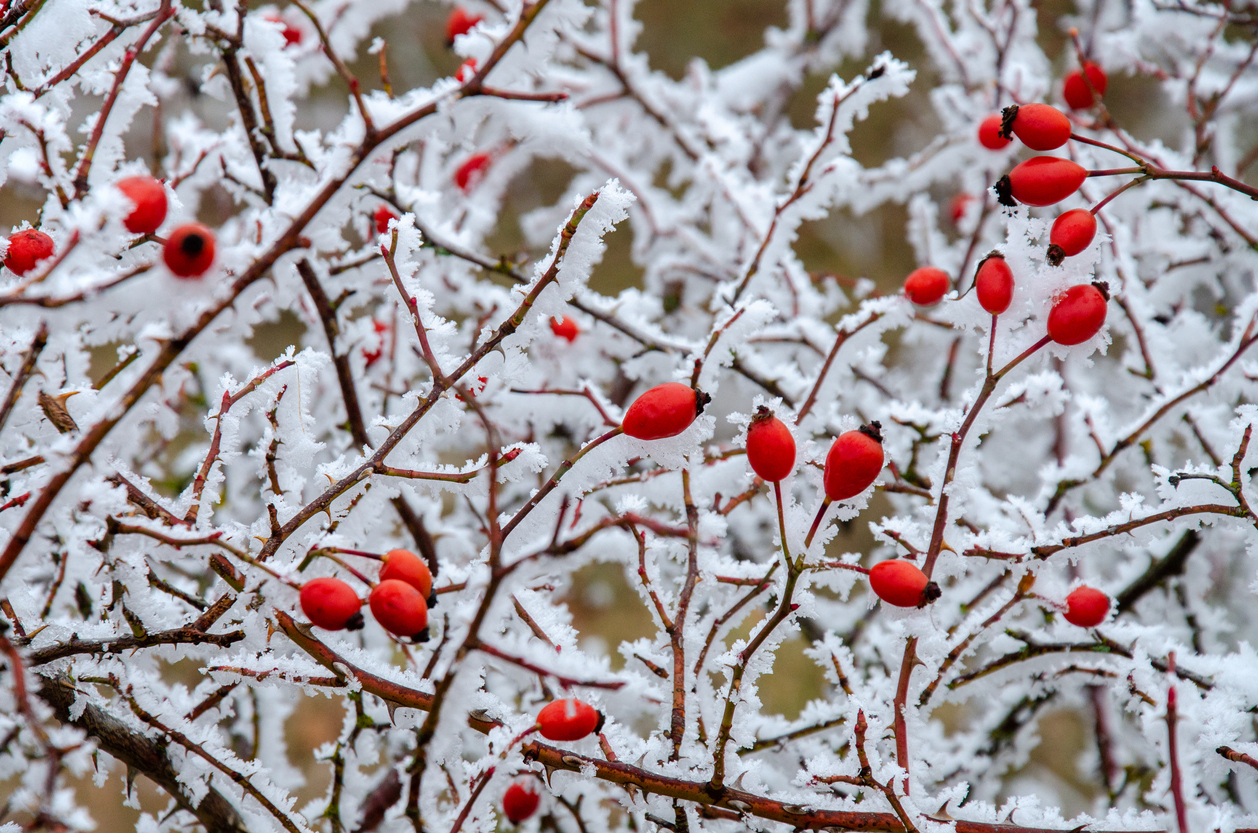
(326, 552)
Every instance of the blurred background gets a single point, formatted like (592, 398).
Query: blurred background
(720, 32)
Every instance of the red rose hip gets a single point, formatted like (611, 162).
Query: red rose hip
(382, 217)
(664, 411)
(854, 462)
(472, 171)
(901, 584)
(189, 251)
(568, 720)
(770, 446)
(400, 609)
(27, 248)
(1076, 90)
(520, 800)
(926, 286)
(1042, 180)
(331, 604)
(565, 328)
(989, 133)
(404, 565)
(1086, 607)
(149, 199)
(1038, 126)
(1071, 234)
(993, 284)
(460, 22)
(1078, 313)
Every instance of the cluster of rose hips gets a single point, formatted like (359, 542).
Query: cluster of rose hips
(1047, 180)
(399, 601)
(188, 252)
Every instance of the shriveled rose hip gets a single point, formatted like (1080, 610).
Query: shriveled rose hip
(521, 799)
(568, 720)
(400, 609)
(1086, 607)
(901, 584)
(406, 566)
(1075, 89)
(989, 133)
(1071, 234)
(1078, 313)
(770, 446)
(926, 286)
(1041, 180)
(331, 604)
(854, 462)
(565, 328)
(189, 251)
(1038, 126)
(149, 203)
(993, 284)
(664, 411)
(27, 248)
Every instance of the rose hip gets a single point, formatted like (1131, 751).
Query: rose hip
(854, 462)
(664, 411)
(993, 283)
(1078, 314)
(1071, 234)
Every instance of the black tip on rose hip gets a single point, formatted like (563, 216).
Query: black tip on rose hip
(1004, 192)
(1007, 116)
(432, 599)
(873, 430)
(701, 400)
(422, 636)
(355, 622)
(1056, 254)
(931, 593)
(1103, 288)
(598, 727)
(192, 245)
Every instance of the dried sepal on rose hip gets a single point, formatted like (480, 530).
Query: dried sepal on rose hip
(664, 411)
(902, 584)
(1038, 126)
(770, 446)
(1078, 313)
(189, 251)
(926, 286)
(331, 604)
(1086, 607)
(1070, 235)
(521, 799)
(993, 284)
(148, 198)
(26, 249)
(1040, 181)
(568, 719)
(854, 462)
(400, 609)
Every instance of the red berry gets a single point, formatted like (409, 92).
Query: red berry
(989, 133)
(27, 248)
(854, 462)
(957, 206)
(331, 604)
(382, 217)
(400, 609)
(472, 171)
(404, 565)
(568, 720)
(149, 197)
(1086, 607)
(1042, 180)
(993, 283)
(901, 584)
(664, 411)
(520, 800)
(189, 251)
(1075, 89)
(926, 286)
(1039, 126)
(1071, 234)
(292, 35)
(770, 446)
(1078, 313)
(373, 356)
(565, 328)
(465, 71)
(460, 22)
